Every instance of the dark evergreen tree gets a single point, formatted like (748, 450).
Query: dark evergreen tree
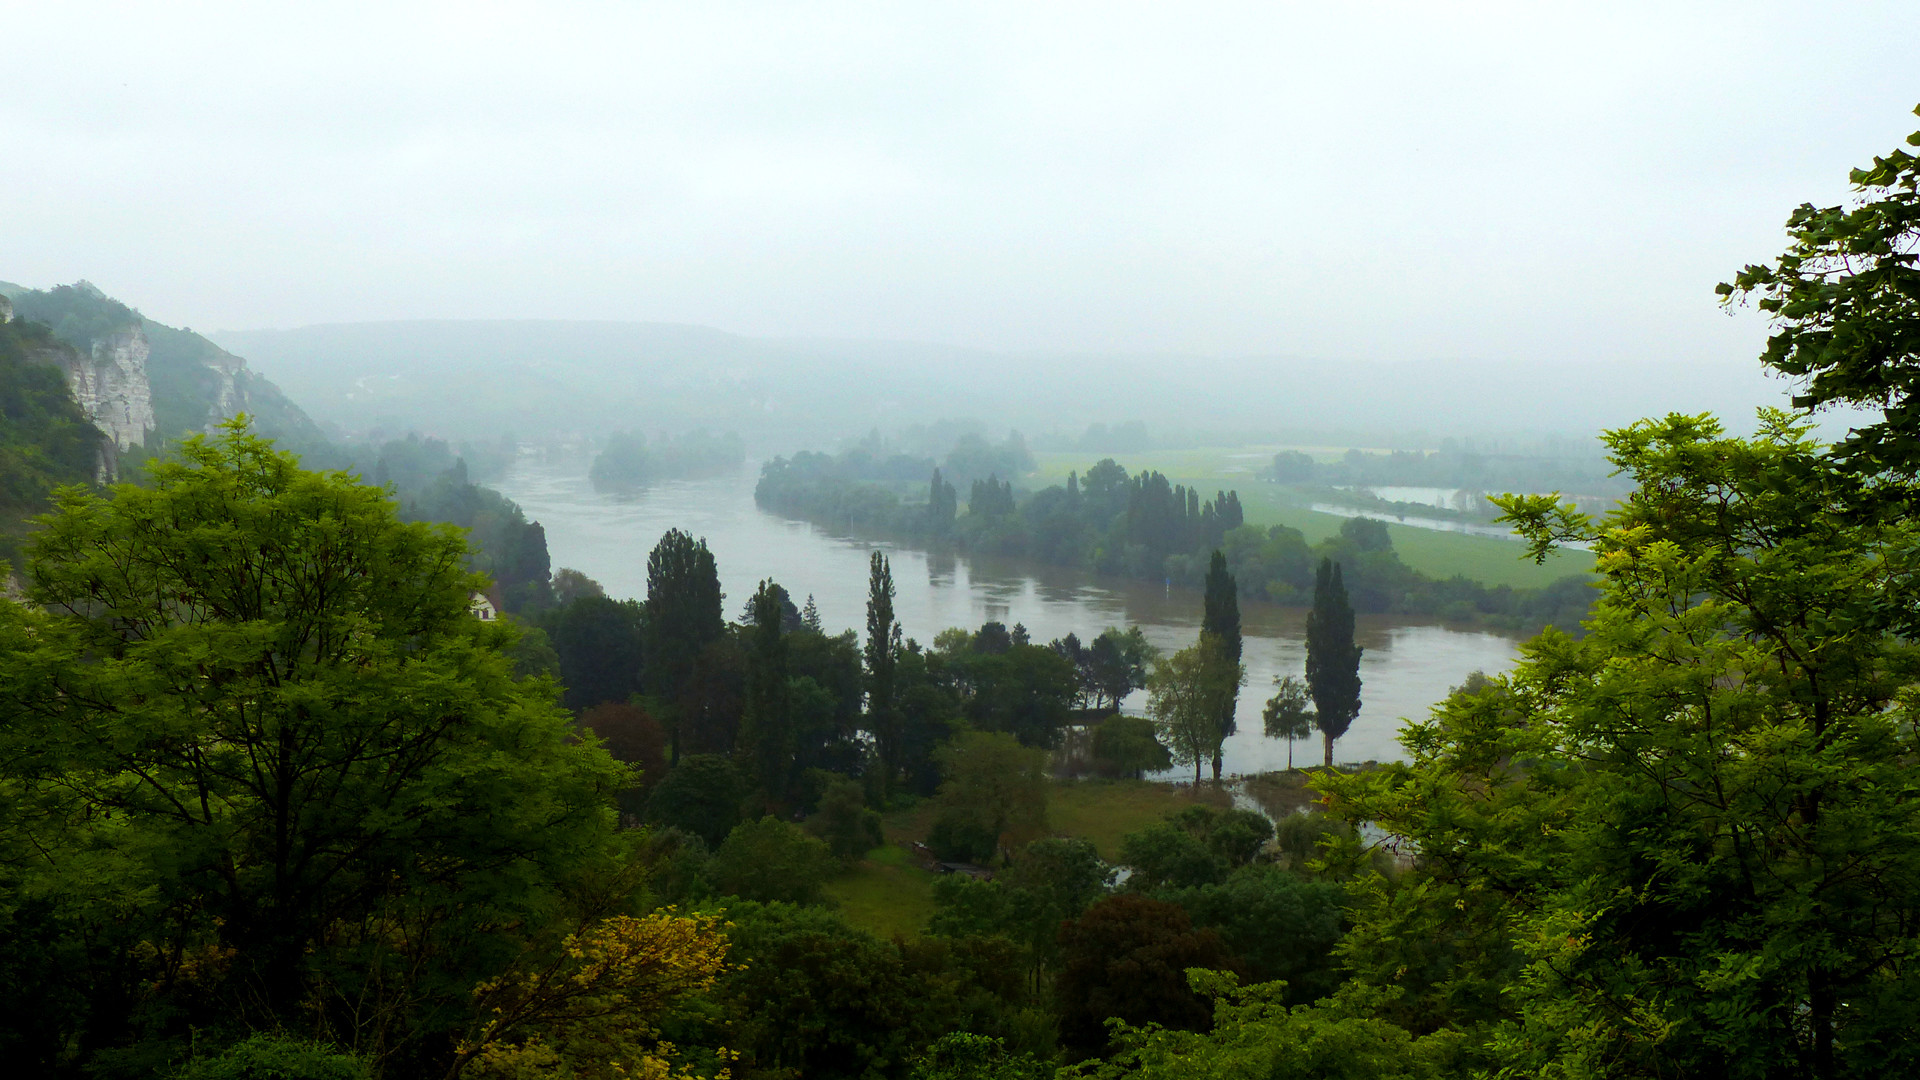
(766, 731)
(943, 505)
(883, 650)
(1222, 620)
(599, 646)
(1333, 660)
(683, 618)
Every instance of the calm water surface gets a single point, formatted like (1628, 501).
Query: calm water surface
(1408, 665)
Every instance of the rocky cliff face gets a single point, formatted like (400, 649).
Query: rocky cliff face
(110, 383)
(137, 380)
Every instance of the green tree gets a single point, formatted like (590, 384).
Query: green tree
(1051, 880)
(1130, 746)
(766, 723)
(701, 795)
(1701, 816)
(811, 996)
(1118, 663)
(247, 722)
(843, 821)
(1221, 618)
(943, 505)
(1280, 925)
(998, 784)
(1333, 660)
(1127, 957)
(770, 860)
(1024, 690)
(636, 739)
(598, 643)
(1845, 301)
(963, 1055)
(1288, 714)
(261, 1055)
(882, 657)
(683, 617)
(1252, 1032)
(1166, 855)
(1191, 690)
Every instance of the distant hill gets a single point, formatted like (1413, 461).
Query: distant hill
(538, 379)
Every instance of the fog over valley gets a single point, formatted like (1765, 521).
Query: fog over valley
(1004, 541)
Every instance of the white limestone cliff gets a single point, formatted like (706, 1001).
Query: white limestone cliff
(111, 386)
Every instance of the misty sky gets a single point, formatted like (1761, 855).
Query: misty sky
(1387, 181)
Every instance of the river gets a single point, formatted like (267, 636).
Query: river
(1408, 665)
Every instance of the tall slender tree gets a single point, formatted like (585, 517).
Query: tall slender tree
(882, 654)
(1222, 620)
(766, 730)
(683, 617)
(1333, 660)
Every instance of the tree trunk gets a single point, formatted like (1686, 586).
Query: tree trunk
(1216, 766)
(1289, 753)
(1328, 739)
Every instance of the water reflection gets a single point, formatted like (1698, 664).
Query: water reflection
(1408, 665)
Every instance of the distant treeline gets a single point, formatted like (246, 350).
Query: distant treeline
(1450, 468)
(629, 461)
(1142, 526)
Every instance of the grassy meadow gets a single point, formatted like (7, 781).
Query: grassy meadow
(1430, 551)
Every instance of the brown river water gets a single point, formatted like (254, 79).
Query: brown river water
(1409, 663)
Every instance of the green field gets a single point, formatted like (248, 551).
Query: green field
(888, 893)
(1104, 811)
(1430, 551)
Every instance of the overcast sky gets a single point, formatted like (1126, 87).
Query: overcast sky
(1528, 181)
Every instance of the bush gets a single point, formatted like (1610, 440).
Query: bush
(771, 861)
(701, 795)
(849, 829)
(959, 836)
(262, 1056)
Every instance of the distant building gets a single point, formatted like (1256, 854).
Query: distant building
(483, 607)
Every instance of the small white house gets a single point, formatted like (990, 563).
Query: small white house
(482, 607)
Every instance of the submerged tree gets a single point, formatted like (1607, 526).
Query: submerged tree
(1333, 660)
(1288, 714)
(1191, 691)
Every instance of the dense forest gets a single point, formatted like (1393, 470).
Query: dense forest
(1140, 526)
(277, 800)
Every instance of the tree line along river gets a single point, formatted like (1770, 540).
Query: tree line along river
(1409, 663)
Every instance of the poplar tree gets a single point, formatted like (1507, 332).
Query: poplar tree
(1222, 620)
(1333, 660)
(882, 653)
(766, 733)
(683, 617)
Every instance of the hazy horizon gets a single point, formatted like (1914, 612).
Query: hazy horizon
(1486, 183)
